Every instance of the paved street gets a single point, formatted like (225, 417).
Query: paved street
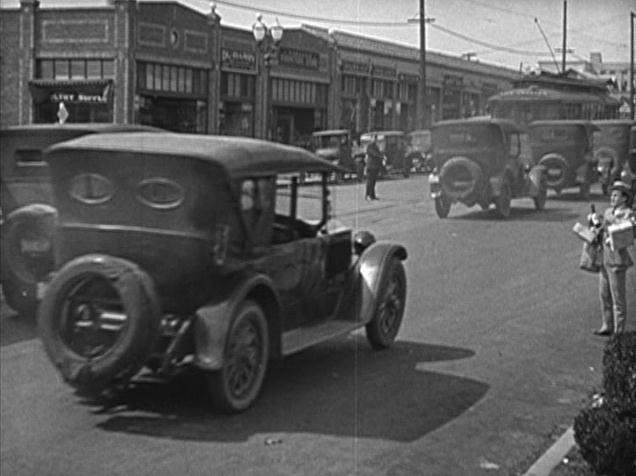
(494, 359)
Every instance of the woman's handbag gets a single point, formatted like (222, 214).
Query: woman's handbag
(591, 257)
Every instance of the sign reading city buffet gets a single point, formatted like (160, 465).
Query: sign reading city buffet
(299, 58)
(77, 97)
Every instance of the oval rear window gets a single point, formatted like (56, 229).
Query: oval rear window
(161, 193)
(91, 189)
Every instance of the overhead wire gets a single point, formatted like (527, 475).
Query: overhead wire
(391, 24)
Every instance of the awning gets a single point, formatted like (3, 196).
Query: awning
(88, 91)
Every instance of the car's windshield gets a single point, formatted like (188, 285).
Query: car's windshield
(421, 141)
(324, 142)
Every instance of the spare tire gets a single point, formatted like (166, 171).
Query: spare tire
(460, 177)
(99, 320)
(556, 171)
(27, 254)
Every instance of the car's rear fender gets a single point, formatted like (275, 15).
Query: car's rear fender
(367, 274)
(212, 321)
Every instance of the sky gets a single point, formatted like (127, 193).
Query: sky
(504, 32)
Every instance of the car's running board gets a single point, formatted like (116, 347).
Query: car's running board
(301, 338)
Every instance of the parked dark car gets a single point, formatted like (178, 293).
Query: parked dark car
(611, 149)
(566, 149)
(27, 204)
(418, 151)
(477, 162)
(336, 146)
(182, 250)
(392, 145)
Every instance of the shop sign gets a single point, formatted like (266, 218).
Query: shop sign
(453, 82)
(238, 59)
(79, 97)
(385, 71)
(353, 67)
(299, 58)
(409, 78)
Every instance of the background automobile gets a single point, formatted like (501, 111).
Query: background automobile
(391, 144)
(418, 151)
(204, 252)
(336, 146)
(27, 204)
(611, 149)
(565, 149)
(478, 161)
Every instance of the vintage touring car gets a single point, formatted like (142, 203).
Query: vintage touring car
(181, 250)
(28, 214)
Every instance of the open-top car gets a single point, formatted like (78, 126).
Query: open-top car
(27, 204)
(478, 161)
(611, 149)
(336, 147)
(566, 149)
(178, 250)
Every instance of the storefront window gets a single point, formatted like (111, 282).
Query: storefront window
(61, 69)
(93, 69)
(78, 69)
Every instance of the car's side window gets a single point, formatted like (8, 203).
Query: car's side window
(257, 206)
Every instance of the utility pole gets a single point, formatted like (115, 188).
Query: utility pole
(631, 66)
(422, 109)
(565, 34)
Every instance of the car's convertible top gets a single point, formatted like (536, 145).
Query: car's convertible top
(239, 156)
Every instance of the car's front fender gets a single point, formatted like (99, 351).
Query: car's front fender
(434, 185)
(360, 303)
(212, 321)
(496, 184)
(535, 177)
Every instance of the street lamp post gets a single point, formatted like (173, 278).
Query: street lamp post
(267, 41)
(422, 112)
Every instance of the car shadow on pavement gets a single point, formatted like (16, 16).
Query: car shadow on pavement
(16, 328)
(342, 388)
(517, 214)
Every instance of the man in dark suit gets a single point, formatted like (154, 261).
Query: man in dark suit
(373, 162)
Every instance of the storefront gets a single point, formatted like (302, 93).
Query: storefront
(299, 88)
(354, 102)
(82, 88)
(238, 84)
(172, 97)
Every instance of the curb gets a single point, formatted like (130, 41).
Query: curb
(553, 456)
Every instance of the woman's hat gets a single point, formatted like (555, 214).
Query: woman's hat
(622, 187)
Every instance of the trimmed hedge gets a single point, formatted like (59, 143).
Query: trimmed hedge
(606, 431)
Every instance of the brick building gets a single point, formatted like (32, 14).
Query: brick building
(165, 64)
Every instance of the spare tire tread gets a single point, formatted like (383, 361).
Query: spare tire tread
(138, 335)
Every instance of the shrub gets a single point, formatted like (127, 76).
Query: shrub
(619, 371)
(606, 432)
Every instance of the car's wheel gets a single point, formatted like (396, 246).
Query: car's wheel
(540, 199)
(99, 320)
(442, 206)
(27, 255)
(502, 201)
(385, 324)
(236, 385)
